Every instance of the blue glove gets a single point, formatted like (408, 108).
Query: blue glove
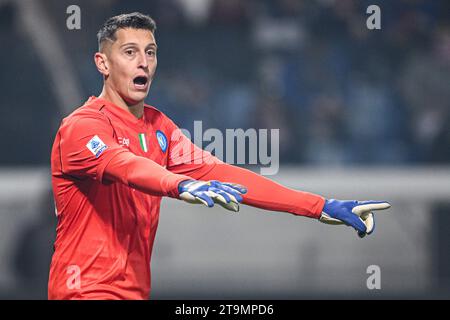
(357, 214)
(228, 195)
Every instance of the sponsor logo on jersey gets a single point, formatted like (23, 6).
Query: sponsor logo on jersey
(162, 140)
(124, 141)
(96, 146)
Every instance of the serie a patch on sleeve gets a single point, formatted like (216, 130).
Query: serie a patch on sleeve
(96, 146)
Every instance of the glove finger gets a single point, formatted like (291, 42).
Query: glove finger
(205, 199)
(225, 200)
(374, 202)
(325, 218)
(367, 206)
(219, 197)
(232, 206)
(222, 195)
(231, 192)
(239, 188)
(369, 221)
(188, 197)
(355, 221)
(215, 197)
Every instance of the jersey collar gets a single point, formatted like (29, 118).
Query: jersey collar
(119, 112)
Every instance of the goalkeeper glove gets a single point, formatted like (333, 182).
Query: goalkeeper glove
(228, 195)
(357, 214)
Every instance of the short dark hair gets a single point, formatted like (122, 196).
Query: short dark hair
(135, 20)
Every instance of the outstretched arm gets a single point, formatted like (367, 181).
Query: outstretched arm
(147, 176)
(188, 159)
(267, 194)
(88, 149)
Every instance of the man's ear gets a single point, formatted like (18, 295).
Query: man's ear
(101, 61)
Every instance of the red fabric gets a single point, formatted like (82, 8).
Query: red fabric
(143, 174)
(267, 194)
(106, 228)
(108, 199)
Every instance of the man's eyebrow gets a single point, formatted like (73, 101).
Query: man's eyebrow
(136, 45)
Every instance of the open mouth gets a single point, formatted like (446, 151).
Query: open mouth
(140, 82)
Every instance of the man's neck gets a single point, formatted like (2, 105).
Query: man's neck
(112, 96)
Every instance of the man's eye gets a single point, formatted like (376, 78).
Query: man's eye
(151, 52)
(129, 52)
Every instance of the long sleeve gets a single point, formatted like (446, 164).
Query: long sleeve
(188, 159)
(143, 174)
(267, 194)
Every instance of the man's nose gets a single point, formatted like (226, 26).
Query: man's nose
(142, 62)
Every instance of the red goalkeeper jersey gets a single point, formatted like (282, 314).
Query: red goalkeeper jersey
(106, 228)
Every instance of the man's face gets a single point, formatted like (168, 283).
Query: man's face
(131, 63)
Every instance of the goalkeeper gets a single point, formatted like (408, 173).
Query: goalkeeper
(114, 158)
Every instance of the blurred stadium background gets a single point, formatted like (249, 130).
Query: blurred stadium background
(362, 114)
